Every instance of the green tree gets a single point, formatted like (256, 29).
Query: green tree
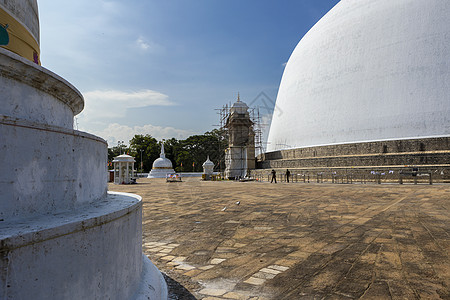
(148, 147)
(217, 147)
(186, 155)
(172, 149)
(115, 151)
(195, 149)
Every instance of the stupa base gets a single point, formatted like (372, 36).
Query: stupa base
(93, 252)
(160, 173)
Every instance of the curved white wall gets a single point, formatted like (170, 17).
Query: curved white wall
(47, 169)
(368, 70)
(61, 235)
(33, 93)
(93, 252)
(47, 166)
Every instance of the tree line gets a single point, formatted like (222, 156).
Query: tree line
(186, 155)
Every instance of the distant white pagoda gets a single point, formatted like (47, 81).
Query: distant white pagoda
(208, 169)
(161, 166)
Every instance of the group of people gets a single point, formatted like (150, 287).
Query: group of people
(274, 175)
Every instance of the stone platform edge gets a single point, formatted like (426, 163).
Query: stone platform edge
(21, 69)
(17, 233)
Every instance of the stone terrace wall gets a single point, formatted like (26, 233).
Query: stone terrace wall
(428, 154)
(380, 147)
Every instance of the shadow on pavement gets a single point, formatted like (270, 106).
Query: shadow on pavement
(176, 291)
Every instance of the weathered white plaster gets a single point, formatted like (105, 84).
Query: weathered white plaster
(50, 168)
(33, 93)
(236, 161)
(368, 70)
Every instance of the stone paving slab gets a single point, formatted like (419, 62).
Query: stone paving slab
(253, 240)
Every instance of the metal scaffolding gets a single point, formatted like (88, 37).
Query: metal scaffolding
(253, 131)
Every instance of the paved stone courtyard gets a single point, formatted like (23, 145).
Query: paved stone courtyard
(252, 240)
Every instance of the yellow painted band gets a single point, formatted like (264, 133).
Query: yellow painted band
(21, 41)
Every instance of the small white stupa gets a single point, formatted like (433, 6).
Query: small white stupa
(161, 166)
(208, 169)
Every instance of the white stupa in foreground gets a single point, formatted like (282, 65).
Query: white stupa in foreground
(369, 70)
(62, 235)
(161, 166)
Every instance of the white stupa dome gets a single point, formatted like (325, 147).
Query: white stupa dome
(161, 166)
(162, 163)
(368, 70)
(208, 168)
(208, 162)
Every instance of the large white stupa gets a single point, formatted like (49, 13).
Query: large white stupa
(62, 235)
(161, 166)
(369, 70)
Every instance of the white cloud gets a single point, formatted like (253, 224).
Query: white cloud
(113, 104)
(116, 132)
(145, 45)
(142, 44)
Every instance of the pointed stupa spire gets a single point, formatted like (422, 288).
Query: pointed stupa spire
(161, 166)
(163, 155)
(239, 98)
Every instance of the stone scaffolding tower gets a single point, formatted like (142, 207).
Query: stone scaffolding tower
(240, 154)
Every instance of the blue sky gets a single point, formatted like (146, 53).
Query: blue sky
(163, 67)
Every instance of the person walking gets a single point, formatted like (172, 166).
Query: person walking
(287, 175)
(274, 176)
